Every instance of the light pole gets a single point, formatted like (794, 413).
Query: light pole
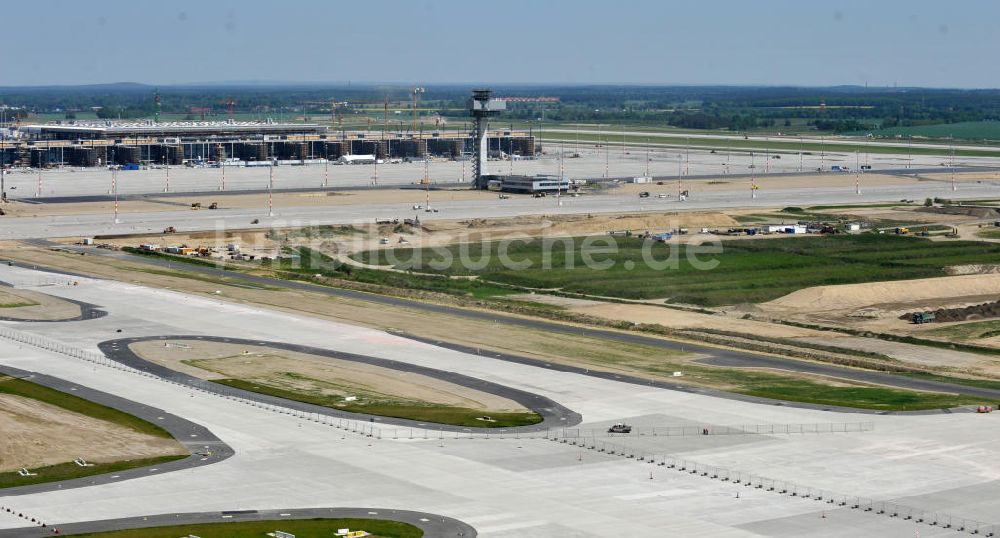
(270, 188)
(3, 166)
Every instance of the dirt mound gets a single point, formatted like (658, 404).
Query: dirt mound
(973, 269)
(968, 313)
(641, 223)
(977, 212)
(858, 296)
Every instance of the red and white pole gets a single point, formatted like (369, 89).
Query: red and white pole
(270, 189)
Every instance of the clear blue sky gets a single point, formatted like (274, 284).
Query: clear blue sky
(764, 42)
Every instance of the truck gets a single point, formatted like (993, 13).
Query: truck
(621, 427)
(922, 317)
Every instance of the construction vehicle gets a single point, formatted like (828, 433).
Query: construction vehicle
(621, 427)
(214, 205)
(922, 317)
(902, 231)
(170, 230)
(196, 205)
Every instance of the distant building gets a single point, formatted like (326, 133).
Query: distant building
(528, 184)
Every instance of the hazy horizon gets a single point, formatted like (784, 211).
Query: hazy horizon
(640, 42)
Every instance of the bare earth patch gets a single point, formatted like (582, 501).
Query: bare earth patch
(856, 296)
(35, 306)
(314, 375)
(37, 434)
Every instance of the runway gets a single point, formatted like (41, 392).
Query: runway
(504, 487)
(433, 525)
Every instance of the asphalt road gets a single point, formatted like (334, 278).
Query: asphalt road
(742, 358)
(553, 414)
(433, 525)
(158, 196)
(204, 446)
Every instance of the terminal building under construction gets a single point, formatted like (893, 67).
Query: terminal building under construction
(99, 143)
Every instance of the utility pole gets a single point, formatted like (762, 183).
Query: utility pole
(607, 160)
(753, 177)
(562, 176)
(3, 167)
(222, 186)
(510, 151)
(687, 156)
(767, 156)
(326, 170)
(679, 165)
(270, 189)
(822, 155)
(857, 173)
(114, 188)
(801, 148)
(427, 184)
(952, 147)
(647, 157)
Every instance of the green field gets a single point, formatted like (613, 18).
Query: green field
(65, 471)
(860, 397)
(636, 358)
(743, 271)
(969, 331)
(302, 528)
(17, 304)
(989, 233)
(969, 130)
(783, 145)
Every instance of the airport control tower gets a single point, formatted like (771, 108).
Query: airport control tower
(481, 108)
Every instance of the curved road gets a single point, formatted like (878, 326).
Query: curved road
(553, 414)
(87, 311)
(433, 525)
(204, 446)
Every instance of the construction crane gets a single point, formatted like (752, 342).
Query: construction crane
(203, 110)
(416, 92)
(385, 115)
(230, 107)
(335, 117)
